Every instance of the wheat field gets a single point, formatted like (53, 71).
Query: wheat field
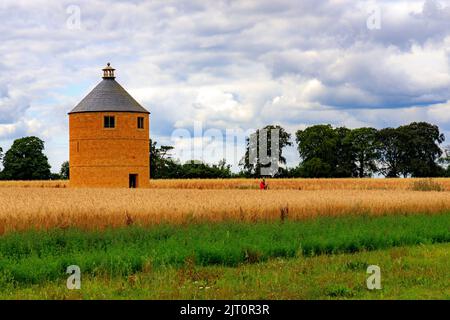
(274, 184)
(299, 184)
(44, 208)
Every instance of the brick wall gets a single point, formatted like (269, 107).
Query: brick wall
(104, 157)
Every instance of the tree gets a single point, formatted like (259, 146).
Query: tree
(420, 145)
(315, 168)
(364, 148)
(224, 169)
(445, 160)
(259, 157)
(391, 154)
(319, 147)
(411, 150)
(64, 172)
(200, 170)
(345, 163)
(317, 141)
(1, 158)
(55, 176)
(25, 160)
(160, 160)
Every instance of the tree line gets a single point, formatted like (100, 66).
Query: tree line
(412, 150)
(163, 166)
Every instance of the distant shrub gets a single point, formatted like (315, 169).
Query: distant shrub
(426, 185)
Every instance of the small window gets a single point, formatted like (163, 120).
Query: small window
(109, 122)
(140, 122)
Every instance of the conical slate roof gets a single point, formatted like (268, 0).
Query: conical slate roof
(110, 96)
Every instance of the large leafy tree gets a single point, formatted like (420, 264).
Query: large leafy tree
(317, 141)
(411, 150)
(318, 147)
(259, 154)
(25, 160)
(421, 150)
(364, 148)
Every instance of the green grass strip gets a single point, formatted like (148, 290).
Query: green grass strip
(38, 256)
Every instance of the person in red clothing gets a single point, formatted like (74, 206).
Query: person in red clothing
(263, 185)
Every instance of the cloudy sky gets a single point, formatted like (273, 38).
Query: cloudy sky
(225, 65)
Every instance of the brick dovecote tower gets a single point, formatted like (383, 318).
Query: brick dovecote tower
(109, 138)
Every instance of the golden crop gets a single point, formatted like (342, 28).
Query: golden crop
(274, 184)
(35, 184)
(299, 184)
(43, 208)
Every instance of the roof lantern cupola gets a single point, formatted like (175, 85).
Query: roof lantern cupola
(108, 72)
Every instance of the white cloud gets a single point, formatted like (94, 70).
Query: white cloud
(238, 64)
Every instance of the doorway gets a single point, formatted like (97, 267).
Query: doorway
(133, 181)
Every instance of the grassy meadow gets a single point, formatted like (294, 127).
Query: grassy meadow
(182, 239)
(411, 272)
